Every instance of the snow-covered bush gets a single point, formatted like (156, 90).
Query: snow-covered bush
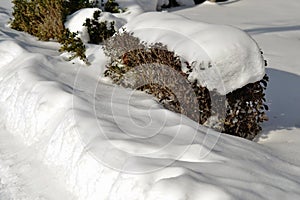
(98, 31)
(141, 66)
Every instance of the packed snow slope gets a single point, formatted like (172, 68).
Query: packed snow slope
(66, 133)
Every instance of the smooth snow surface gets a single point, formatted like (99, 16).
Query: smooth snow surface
(66, 133)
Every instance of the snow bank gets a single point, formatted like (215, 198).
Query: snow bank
(224, 58)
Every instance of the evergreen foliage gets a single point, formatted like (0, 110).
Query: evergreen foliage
(98, 31)
(74, 5)
(72, 44)
(112, 6)
(41, 18)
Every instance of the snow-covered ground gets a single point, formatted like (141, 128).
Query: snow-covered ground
(65, 133)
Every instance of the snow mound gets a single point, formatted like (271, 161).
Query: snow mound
(224, 58)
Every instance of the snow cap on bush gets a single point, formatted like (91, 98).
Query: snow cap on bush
(224, 58)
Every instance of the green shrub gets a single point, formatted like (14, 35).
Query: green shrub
(244, 109)
(74, 5)
(112, 7)
(41, 18)
(74, 45)
(98, 31)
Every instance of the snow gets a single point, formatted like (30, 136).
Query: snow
(66, 133)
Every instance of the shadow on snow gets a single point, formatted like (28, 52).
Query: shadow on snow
(283, 98)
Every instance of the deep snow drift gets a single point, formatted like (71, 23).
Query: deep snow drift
(67, 134)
